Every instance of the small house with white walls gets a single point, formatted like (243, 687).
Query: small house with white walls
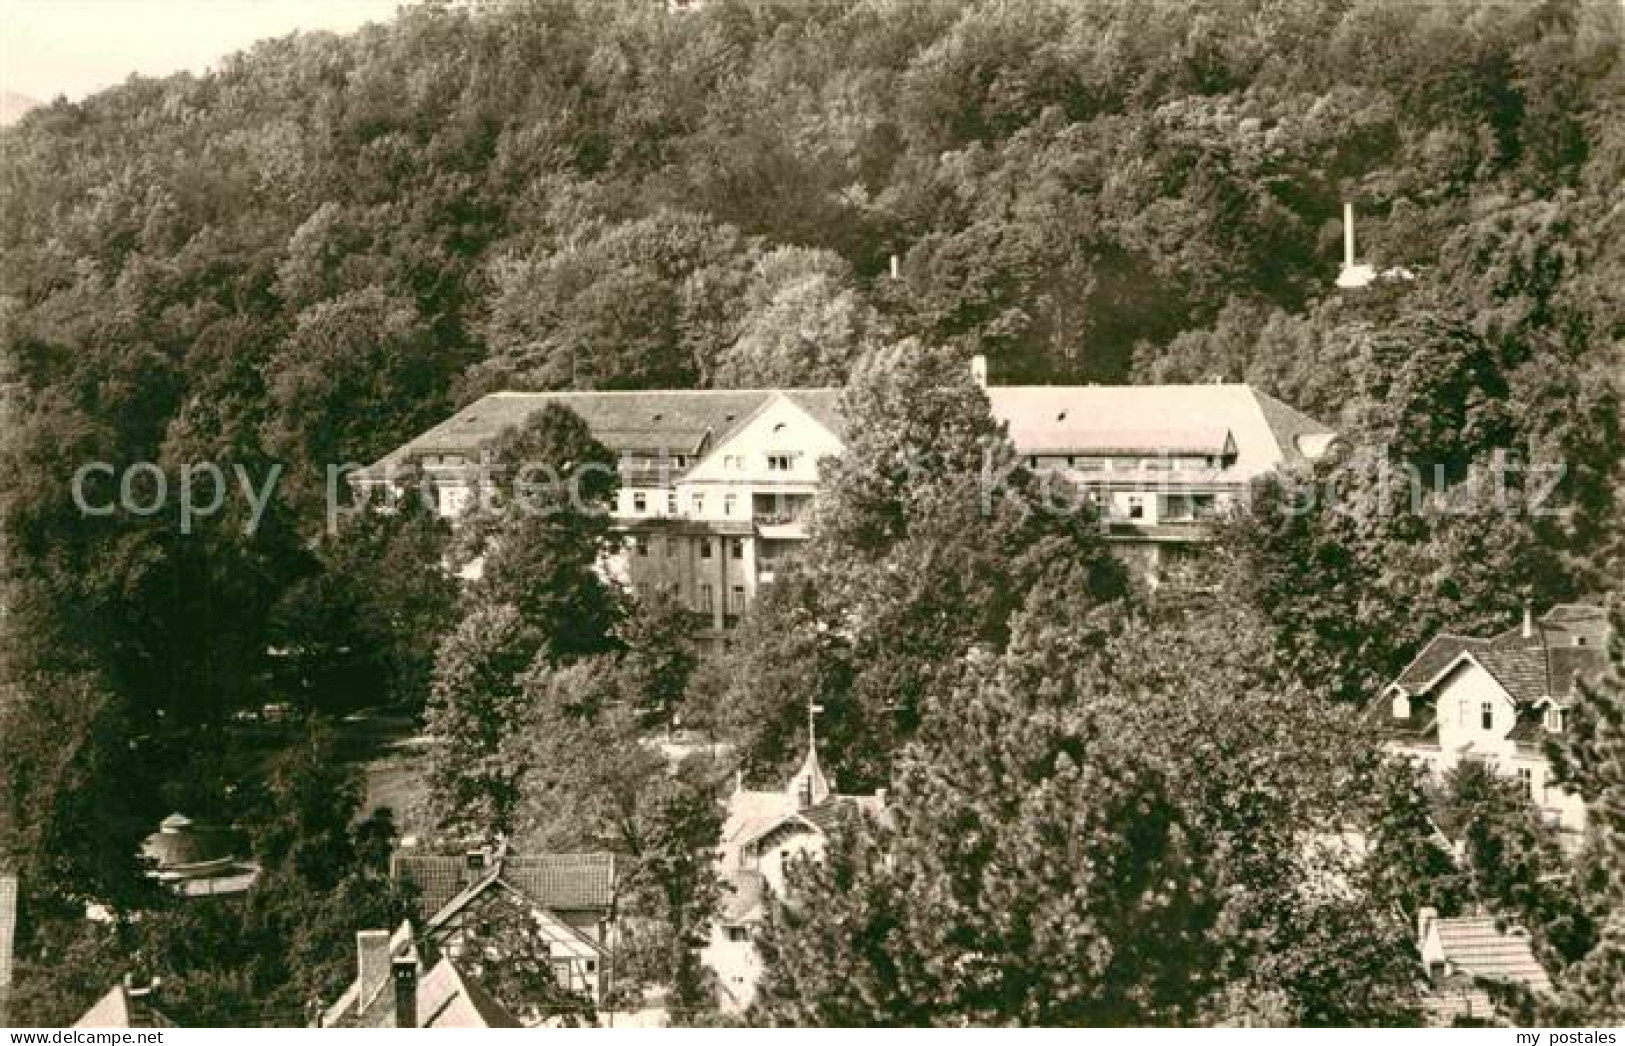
(1497, 700)
(763, 833)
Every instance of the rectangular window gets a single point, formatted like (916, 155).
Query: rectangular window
(1526, 777)
(737, 599)
(671, 548)
(1486, 715)
(705, 548)
(671, 503)
(640, 502)
(729, 503)
(642, 544)
(698, 501)
(708, 598)
(737, 548)
(778, 463)
(1136, 508)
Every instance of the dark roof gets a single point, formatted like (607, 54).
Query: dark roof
(837, 812)
(1421, 727)
(1519, 666)
(1530, 729)
(1568, 643)
(559, 882)
(180, 842)
(674, 421)
(1439, 652)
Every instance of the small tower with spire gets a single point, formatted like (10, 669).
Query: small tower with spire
(809, 787)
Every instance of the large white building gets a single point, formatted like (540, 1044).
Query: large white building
(1498, 700)
(717, 485)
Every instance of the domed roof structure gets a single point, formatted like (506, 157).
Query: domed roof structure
(183, 850)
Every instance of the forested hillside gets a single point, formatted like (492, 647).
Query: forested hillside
(326, 245)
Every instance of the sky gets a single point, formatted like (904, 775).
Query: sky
(76, 47)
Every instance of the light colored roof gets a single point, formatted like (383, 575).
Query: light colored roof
(1160, 419)
(120, 1008)
(1479, 947)
(448, 998)
(1210, 419)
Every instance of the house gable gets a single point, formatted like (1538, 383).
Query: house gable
(1467, 692)
(780, 429)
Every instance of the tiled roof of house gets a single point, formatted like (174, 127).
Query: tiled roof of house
(1568, 643)
(676, 421)
(560, 882)
(1433, 658)
(1520, 668)
(1480, 947)
(8, 937)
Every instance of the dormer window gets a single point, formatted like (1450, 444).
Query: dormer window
(1554, 720)
(1401, 706)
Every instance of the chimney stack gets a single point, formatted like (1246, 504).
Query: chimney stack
(1528, 621)
(978, 370)
(405, 969)
(895, 272)
(1424, 921)
(372, 961)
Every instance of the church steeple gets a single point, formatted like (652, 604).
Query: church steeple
(809, 786)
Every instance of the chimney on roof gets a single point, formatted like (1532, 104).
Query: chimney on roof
(405, 969)
(896, 272)
(372, 962)
(1424, 922)
(1528, 621)
(978, 370)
